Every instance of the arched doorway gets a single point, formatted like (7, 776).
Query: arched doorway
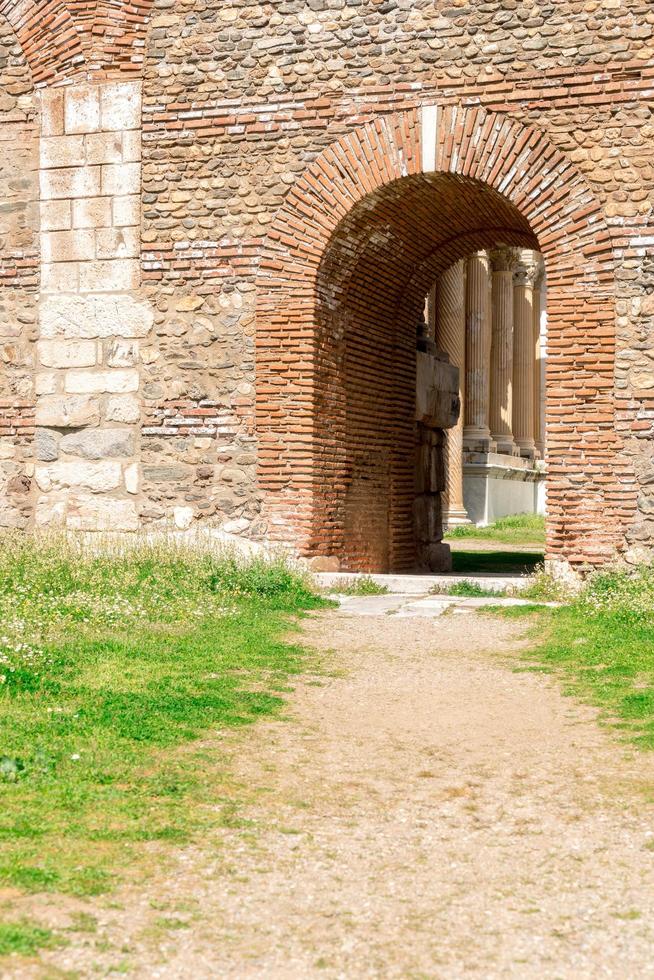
(362, 237)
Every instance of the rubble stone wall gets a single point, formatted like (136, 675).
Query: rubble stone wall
(176, 380)
(19, 279)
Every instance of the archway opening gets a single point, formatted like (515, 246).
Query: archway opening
(378, 478)
(361, 237)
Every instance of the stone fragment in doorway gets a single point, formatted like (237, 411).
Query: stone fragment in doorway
(323, 563)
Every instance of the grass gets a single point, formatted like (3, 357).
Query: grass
(518, 529)
(495, 562)
(112, 667)
(470, 590)
(361, 585)
(602, 645)
(25, 939)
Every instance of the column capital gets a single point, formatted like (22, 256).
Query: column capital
(504, 258)
(540, 270)
(526, 269)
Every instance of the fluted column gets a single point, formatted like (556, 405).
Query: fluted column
(476, 431)
(450, 317)
(503, 262)
(523, 354)
(431, 312)
(539, 433)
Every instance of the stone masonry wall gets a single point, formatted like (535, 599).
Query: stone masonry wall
(91, 320)
(160, 390)
(19, 279)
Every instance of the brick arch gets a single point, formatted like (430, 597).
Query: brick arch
(65, 39)
(347, 245)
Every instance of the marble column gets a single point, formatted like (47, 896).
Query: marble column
(539, 420)
(476, 431)
(450, 336)
(503, 262)
(523, 353)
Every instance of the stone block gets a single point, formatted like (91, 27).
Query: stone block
(95, 316)
(67, 353)
(123, 408)
(62, 151)
(113, 275)
(132, 478)
(132, 146)
(55, 215)
(46, 382)
(117, 243)
(101, 513)
(65, 474)
(50, 511)
(171, 473)
(46, 445)
(104, 148)
(71, 183)
(95, 443)
(123, 353)
(52, 112)
(121, 178)
(62, 412)
(437, 391)
(82, 109)
(60, 277)
(67, 246)
(183, 517)
(121, 105)
(92, 212)
(112, 381)
(127, 210)
(323, 563)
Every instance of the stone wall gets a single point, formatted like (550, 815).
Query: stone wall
(175, 382)
(19, 279)
(91, 320)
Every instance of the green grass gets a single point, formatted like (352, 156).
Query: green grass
(518, 529)
(602, 645)
(470, 590)
(495, 562)
(112, 667)
(25, 939)
(361, 585)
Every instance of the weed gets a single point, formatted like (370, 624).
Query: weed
(25, 939)
(469, 589)
(361, 585)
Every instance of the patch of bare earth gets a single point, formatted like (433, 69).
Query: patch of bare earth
(423, 811)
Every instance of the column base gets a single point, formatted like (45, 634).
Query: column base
(457, 517)
(506, 446)
(526, 449)
(478, 441)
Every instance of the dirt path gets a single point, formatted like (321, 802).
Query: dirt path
(426, 812)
